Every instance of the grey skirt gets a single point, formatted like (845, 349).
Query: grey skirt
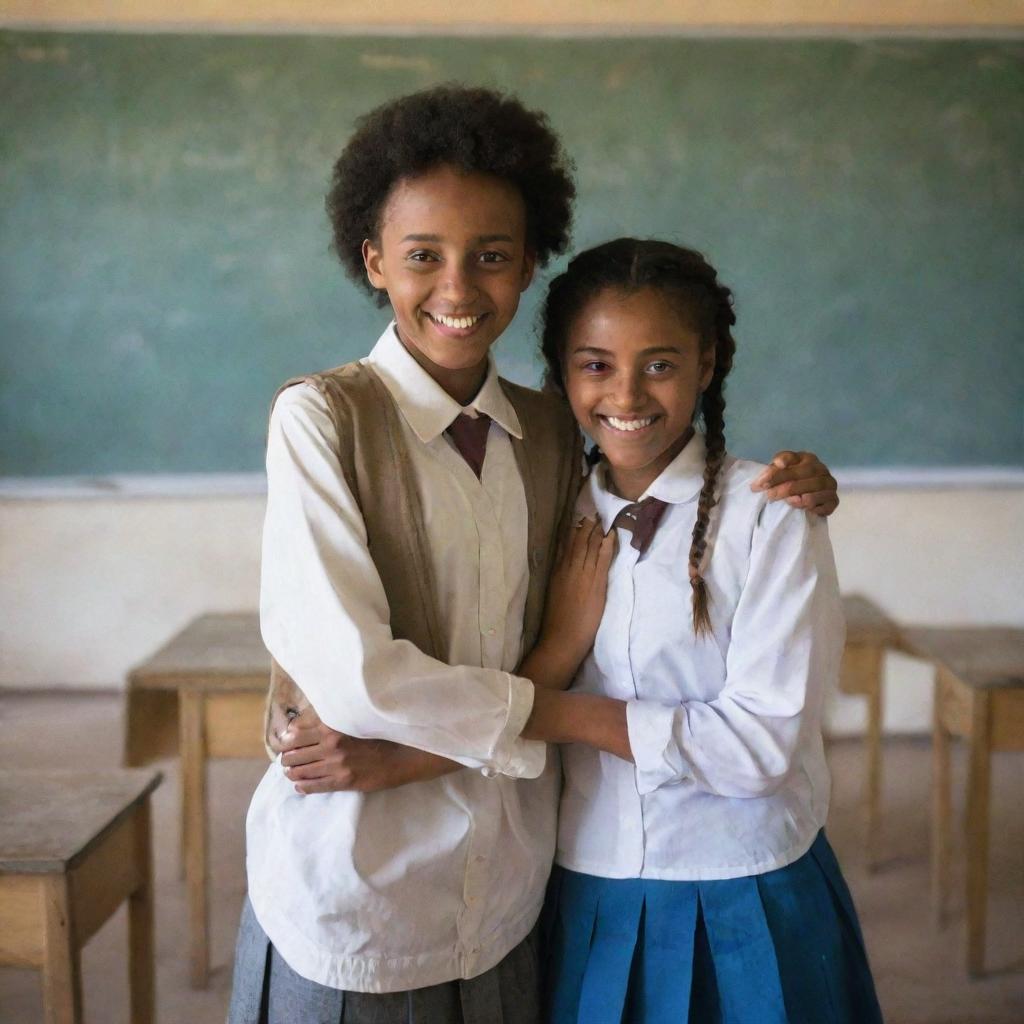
(267, 991)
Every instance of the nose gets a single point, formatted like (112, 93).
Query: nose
(457, 284)
(627, 392)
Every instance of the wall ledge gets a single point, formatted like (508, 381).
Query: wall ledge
(122, 486)
(1004, 29)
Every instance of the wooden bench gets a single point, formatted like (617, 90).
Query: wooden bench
(202, 696)
(869, 634)
(979, 696)
(73, 846)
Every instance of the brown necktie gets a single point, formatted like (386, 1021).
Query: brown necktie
(641, 519)
(470, 436)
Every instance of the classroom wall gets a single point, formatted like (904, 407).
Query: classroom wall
(601, 15)
(94, 585)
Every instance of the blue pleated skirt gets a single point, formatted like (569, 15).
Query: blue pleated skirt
(784, 947)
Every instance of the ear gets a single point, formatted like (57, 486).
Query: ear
(529, 266)
(372, 258)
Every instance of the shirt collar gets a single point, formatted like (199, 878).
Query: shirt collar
(427, 407)
(679, 482)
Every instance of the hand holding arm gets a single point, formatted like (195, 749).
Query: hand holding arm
(319, 759)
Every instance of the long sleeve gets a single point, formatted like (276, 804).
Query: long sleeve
(785, 641)
(325, 617)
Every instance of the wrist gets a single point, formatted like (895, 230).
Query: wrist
(551, 664)
(588, 718)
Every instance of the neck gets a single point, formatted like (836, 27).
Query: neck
(461, 384)
(629, 482)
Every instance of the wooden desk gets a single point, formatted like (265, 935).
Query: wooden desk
(979, 695)
(869, 633)
(203, 694)
(73, 846)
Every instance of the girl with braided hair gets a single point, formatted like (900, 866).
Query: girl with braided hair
(693, 881)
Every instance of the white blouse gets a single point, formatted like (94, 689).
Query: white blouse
(434, 880)
(730, 776)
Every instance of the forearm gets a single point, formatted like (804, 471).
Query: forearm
(412, 765)
(550, 666)
(579, 718)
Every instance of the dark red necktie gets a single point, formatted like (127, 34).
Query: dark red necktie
(641, 519)
(470, 436)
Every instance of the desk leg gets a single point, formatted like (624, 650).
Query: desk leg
(141, 979)
(62, 971)
(183, 810)
(193, 767)
(978, 788)
(873, 796)
(941, 805)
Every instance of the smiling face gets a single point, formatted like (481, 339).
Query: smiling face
(452, 256)
(634, 371)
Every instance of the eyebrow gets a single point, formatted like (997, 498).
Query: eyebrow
(592, 350)
(480, 239)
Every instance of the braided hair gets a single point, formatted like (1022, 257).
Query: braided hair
(691, 283)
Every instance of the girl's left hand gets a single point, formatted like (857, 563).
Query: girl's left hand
(802, 479)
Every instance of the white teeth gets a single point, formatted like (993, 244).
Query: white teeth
(629, 424)
(459, 322)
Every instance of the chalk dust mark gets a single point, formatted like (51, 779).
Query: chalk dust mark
(395, 62)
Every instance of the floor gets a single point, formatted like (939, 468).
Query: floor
(918, 967)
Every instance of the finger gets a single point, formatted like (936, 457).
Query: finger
(822, 503)
(594, 541)
(298, 736)
(304, 755)
(771, 473)
(605, 554)
(786, 458)
(313, 770)
(581, 541)
(792, 488)
(329, 784)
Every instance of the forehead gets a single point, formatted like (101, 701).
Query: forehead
(617, 320)
(453, 204)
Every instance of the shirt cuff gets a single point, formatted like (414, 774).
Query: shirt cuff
(512, 755)
(651, 730)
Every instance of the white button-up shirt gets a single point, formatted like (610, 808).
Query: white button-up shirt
(434, 880)
(730, 776)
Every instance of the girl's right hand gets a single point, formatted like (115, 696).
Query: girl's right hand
(574, 606)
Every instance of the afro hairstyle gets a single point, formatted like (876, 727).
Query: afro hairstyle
(474, 129)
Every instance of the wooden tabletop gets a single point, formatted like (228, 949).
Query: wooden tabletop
(220, 651)
(980, 656)
(867, 623)
(49, 820)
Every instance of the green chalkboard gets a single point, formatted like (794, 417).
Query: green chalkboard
(164, 253)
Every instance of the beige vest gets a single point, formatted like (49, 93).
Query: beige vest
(378, 468)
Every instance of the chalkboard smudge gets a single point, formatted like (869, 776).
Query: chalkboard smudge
(44, 54)
(396, 62)
(214, 161)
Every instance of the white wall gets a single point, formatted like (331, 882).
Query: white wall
(91, 585)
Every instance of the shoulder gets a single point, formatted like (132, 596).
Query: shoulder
(338, 393)
(540, 411)
(546, 404)
(751, 510)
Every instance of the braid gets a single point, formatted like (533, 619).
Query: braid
(713, 414)
(692, 283)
